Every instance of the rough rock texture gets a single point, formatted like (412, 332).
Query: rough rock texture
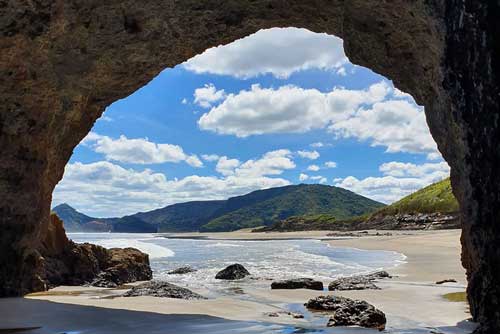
(419, 221)
(359, 282)
(67, 263)
(63, 62)
(232, 272)
(162, 289)
(181, 271)
(348, 312)
(298, 283)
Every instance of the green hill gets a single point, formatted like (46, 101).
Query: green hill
(182, 217)
(262, 207)
(75, 221)
(265, 207)
(432, 207)
(437, 197)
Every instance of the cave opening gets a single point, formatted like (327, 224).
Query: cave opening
(68, 62)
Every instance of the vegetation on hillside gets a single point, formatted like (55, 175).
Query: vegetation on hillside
(305, 199)
(437, 197)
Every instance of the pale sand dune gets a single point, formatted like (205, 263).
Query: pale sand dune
(411, 300)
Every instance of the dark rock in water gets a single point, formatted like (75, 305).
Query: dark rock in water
(162, 289)
(348, 312)
(298, 283)
(359, 282)
(232, 272)
(182, 271)
(448, 280)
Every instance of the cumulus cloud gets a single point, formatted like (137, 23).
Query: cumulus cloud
(207, 95)
(330, 164)
(312, 155)
(105, 189)
(398, 180)
(378, 115)
(227, 166)
(288, 109)
(271, 163)
(313, 168)
(138, 151)
(319, 178)
(397, 124)
(317, 144)
(210, 157)
(303, 177)
(255, 55)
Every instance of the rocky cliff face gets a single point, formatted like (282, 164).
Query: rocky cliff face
(63, 62)
(63, 262)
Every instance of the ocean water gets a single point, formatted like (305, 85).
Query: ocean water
(265, 260)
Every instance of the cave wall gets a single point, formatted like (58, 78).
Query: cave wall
(63, 62)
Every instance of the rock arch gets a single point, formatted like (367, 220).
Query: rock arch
(63, 62)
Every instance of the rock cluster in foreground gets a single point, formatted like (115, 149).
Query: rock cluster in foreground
(348, 312)
(162, 289)
(298, 283)
(69, 263)
(358, 282)
(232, 272)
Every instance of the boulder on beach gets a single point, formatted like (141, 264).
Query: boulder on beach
(358, 282)
(232, 272)
(162, 289)
(348, 312)
(181, 271)
(124, 265)
(298, 283)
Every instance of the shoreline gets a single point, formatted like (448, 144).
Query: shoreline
(411, 300)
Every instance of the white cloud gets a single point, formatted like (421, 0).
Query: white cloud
(434, 156)
(210, 157)
(138, 151)
(313, 168)
(271, 163)
(299, 49)
(400, 179)
(303, 177)
(227, 166)
(319, 178)
(400, 169)
(342, 72)
(312, 155)
(288, 109)
(330, 164)
(104, 189)
(397, 124)
(377, 115)
(317, 144)
(207, 95)
(184, 101)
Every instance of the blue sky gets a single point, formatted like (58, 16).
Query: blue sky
(283, 106)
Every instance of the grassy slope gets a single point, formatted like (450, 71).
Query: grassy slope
(437, 197)
(294, 201)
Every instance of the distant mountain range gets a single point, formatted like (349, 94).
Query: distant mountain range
(432, 207)
(261, 207)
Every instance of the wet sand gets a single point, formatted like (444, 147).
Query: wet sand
(412, 301)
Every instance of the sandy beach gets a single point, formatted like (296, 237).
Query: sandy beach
(411, 300)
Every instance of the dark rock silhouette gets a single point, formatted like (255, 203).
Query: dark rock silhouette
(232, 272)
(298, 283)
(162, 289)
(348, 312)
